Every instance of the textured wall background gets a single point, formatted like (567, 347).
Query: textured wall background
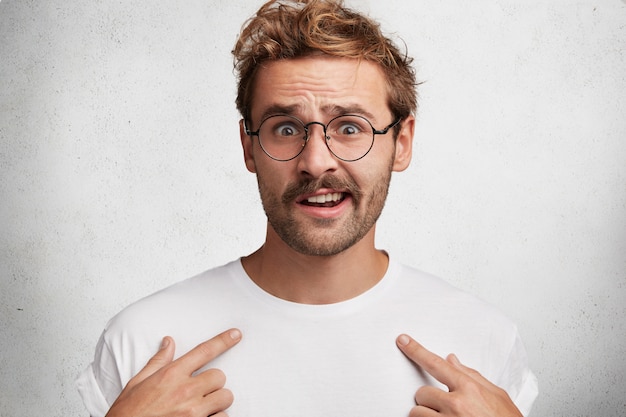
(121, 173)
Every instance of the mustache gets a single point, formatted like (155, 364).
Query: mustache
(306, 186)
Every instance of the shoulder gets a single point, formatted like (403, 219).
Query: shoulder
(447, 319)
(170, 308)
(427, 286)
(190, 311)
(191, 288)
(450, 306)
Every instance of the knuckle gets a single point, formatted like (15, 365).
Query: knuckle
(185, 392)
(466, 380)
(230, 396)
(422, 394)
(208, 348)
(456, 404)
(470, 385)
(227, 397)
(193, 410)
(437, 362)
(218, 401)
(169, 373)
(224, 398)
(217, 376)
(155, 362)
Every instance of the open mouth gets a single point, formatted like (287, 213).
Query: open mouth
(324, 200)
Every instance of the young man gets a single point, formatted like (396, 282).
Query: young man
(328, 108)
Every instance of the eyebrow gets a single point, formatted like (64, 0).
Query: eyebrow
(275, 109)
(331, 110)
(337, 110)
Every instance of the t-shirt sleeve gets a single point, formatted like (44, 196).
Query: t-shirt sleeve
(90, 392)
(99, 384)
(518, 380)
(527, 394)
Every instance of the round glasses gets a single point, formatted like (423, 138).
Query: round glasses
(348, 137)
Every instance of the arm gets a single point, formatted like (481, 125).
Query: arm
(469, 395)
(167, 388)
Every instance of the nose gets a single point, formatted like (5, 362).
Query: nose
(316, 159)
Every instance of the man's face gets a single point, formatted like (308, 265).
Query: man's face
(316, 203)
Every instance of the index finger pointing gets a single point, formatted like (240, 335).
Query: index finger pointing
(206, 351)
(435, 365)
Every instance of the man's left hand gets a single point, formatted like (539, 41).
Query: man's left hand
(469, 393)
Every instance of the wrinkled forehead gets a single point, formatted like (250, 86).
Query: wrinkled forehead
(319, 85)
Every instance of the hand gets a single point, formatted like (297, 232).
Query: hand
(470, 394)
(167, 388)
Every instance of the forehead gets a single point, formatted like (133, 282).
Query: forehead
(316, 86)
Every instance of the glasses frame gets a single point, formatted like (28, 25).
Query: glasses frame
(306, 126)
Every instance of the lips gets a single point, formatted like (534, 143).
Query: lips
(329, 191)
(330, 199)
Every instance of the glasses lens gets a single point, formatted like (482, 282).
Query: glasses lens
(282, 137)
(350, 137)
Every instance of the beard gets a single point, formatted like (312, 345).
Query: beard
(324, 237)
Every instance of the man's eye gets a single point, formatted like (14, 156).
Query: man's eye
(348, 129)
(286, 130)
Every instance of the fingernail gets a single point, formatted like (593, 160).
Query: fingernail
(235, 334)
(403, 340)
(454, 359)
(165, 343)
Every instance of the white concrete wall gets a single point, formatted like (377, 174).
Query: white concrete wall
(121, 173)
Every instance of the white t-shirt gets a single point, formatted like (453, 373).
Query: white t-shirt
(313, 360)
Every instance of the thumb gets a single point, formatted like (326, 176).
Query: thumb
(163, 357)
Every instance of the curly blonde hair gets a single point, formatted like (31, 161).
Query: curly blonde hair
(284, 29)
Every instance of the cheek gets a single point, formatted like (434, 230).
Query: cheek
(370, 173)
(272, 179)
(373, 181)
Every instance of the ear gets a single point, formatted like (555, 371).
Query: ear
(247, 143)
(404, 145)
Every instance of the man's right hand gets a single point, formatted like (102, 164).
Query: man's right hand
(167, 388)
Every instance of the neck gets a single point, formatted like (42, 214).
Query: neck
(292, 276)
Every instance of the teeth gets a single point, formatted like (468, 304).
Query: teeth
(324, 198)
